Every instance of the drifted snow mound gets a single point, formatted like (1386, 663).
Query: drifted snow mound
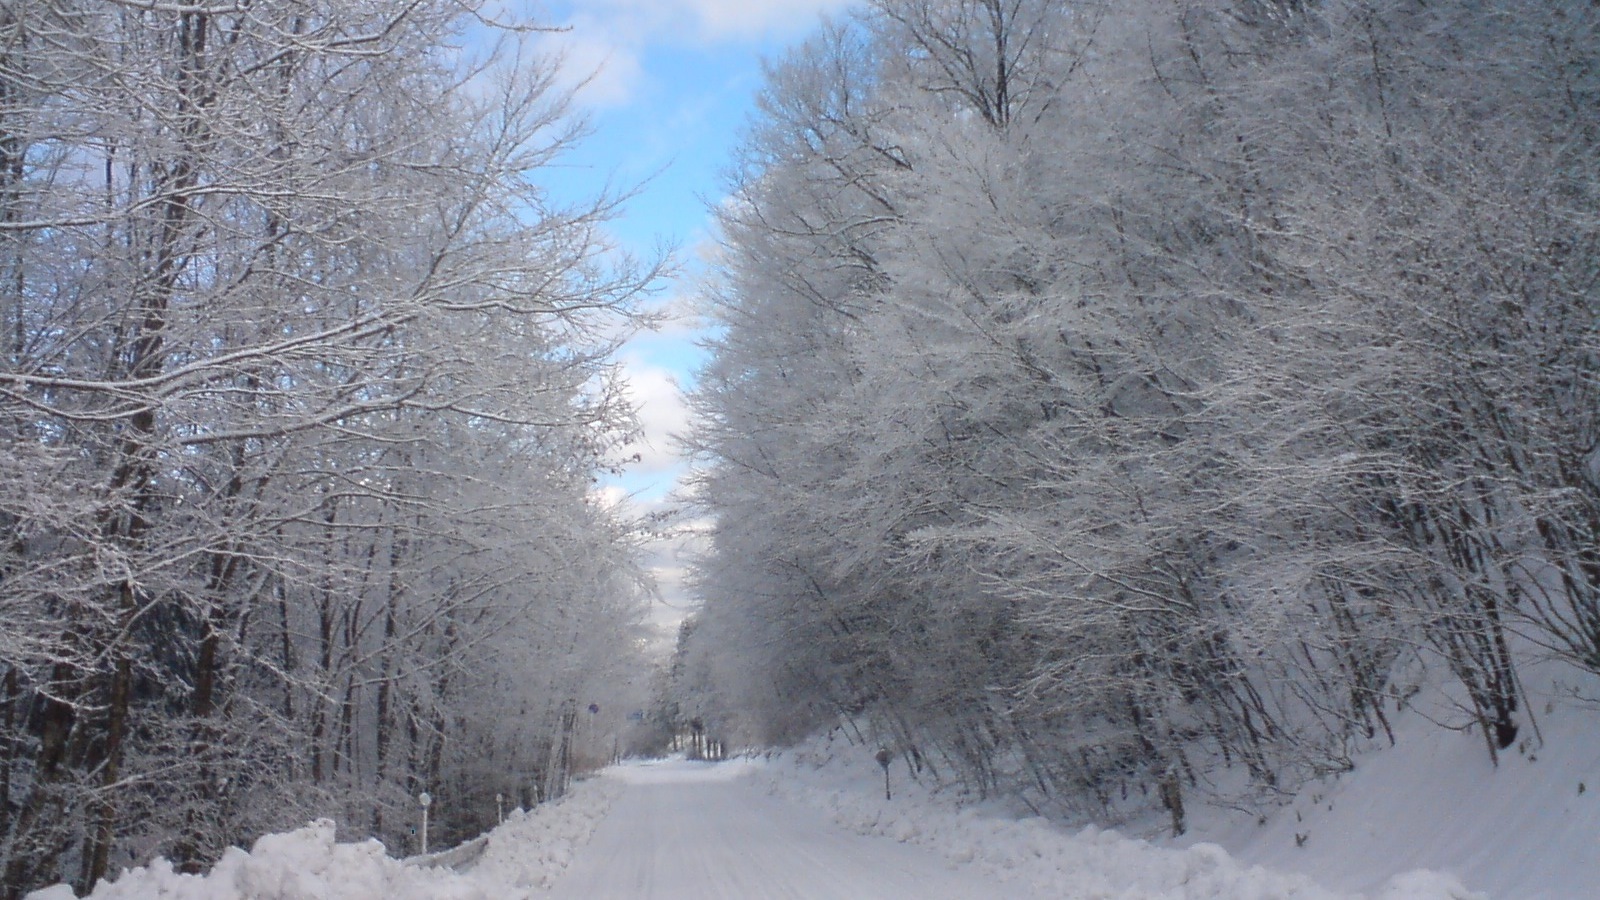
(1039, 858)
(532, 849)
(301, 865)
(522, 857)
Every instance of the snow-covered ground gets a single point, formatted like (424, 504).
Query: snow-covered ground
(1528, 829)
(1431, 819)
(1033, 857)
(708, 831)
(519, 859)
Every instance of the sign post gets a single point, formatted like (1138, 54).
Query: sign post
(424, 799)
(883, 760)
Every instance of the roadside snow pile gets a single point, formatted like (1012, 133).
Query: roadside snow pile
(301, 865)
(521, 858)
(532, 849)
(1040, 858)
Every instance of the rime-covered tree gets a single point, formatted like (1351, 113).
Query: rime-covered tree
(299, 417)
(1103, 396)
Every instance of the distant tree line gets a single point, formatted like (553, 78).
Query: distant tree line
(303, 388)
(685, 714)
(1107, 394)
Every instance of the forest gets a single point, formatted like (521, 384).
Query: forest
(306, 384)
(1111, 407)
(1118, 404)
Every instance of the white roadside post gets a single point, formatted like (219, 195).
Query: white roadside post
(424, 799)
(500, 808)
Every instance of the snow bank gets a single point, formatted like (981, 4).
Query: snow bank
(532, 849)
(521, 857)
(301, 865)
(1527, 829)
(1039, 858)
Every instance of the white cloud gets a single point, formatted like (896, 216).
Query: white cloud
(667, 556)
(678, 313)
(604, 40)
(603, 67)
(712, 19)
(662, 411)
(758, 18)
(673, 605)
(611, 495)
(669, 560)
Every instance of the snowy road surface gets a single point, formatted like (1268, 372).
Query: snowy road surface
(700, 832)
(811, 824)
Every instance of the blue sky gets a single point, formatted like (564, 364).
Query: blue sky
(669, 89)
(670, 86)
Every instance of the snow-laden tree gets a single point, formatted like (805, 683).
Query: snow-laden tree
(1106, 397)
(1428, 209)
(304, 386)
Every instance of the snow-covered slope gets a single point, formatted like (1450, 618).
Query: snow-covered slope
(1528, 829)
(1035, 857)
(1431, 816)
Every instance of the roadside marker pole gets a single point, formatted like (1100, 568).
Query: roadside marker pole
(424, 799)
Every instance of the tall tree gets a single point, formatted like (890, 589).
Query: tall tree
(283, 291)
(1100, 399)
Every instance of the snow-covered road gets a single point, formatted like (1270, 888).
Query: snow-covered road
(810, 823)
(700, 832)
